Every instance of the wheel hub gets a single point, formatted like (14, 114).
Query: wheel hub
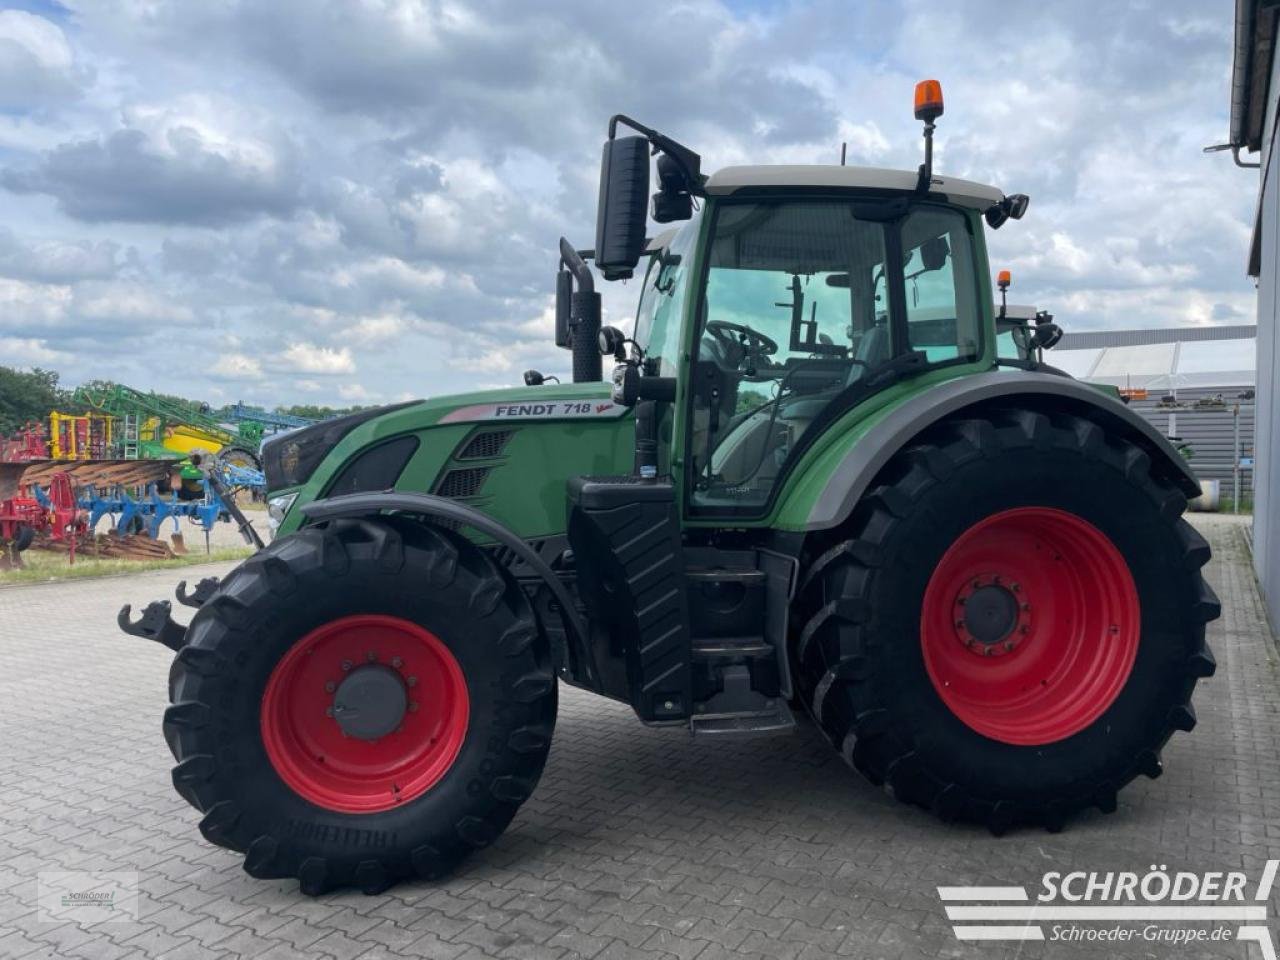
(371, 702)
(993, 615)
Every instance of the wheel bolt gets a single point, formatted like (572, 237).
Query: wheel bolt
(1026, 606)
(346, 665)
(960, 624)
(1024, 629)
(328, 711)
(330, 686)
(1015, 587)
(412, 681)
(397, 662)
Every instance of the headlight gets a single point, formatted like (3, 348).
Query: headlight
(288, 460)
(277, 508)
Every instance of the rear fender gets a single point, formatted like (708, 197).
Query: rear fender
(864, 457)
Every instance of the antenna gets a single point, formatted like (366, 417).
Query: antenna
(844, 146)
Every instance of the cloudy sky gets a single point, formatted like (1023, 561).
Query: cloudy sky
(339, 201)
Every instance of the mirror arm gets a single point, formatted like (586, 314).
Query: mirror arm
(689, 161)
(577, 266)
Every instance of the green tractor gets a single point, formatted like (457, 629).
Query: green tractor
(811, 487)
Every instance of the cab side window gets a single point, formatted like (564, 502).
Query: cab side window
(941, 303)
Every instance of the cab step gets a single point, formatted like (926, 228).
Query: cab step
(738, 709)
(776, 718)
(722, 648)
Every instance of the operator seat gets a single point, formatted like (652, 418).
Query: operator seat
(872, 350)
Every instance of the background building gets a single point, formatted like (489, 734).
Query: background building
(1254, 95)
(1196, 384)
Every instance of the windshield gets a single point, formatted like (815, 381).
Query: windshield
(662, 298)
(805, 302)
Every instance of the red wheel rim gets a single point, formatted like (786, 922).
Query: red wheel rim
(1030, 625)
(308, 747)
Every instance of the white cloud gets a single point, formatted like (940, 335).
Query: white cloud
(237, 366)
(28, 352)
(36, 63)
(496, 360)
(309, 358)
(354, 393)
(131, 302)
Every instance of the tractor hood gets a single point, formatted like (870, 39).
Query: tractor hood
(488, 448)
(290, 459)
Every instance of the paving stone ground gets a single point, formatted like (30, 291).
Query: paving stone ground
(638, 843)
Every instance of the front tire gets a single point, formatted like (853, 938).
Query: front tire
(360, 703)
(1014, 624)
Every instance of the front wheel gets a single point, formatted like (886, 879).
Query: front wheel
(1015, 624)
(360, 703)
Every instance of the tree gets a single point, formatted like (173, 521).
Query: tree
(27, 396)
(314, 412)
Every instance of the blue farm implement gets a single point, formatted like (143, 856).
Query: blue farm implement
(58, 505)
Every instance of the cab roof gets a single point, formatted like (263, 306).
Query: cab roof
(965, 193)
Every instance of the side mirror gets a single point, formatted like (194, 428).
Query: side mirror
(1009, 208)
(624, 199)
(564, 301)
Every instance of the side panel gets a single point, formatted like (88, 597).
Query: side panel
(555, 433)
(525, 487)
(838, 478)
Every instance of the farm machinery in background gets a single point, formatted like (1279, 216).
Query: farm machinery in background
(133, 458)
(151, 427)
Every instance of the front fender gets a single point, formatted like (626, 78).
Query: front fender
(853, 469)
(429, 505)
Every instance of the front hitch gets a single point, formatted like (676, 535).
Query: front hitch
(157, 624)
(154, 624)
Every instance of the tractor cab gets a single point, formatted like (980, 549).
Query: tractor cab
(787, 297)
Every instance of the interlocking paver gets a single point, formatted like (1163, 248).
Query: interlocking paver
(639, 843)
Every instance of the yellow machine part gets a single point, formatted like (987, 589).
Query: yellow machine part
(66, 441)
(184, 439)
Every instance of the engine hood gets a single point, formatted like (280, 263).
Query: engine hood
(489, 448)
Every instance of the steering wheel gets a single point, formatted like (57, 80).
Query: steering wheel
(751, 342)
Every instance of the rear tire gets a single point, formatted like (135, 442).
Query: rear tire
(884, 628)
(252, 737)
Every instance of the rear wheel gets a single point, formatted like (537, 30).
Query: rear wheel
(360, 703)
(1014, 625)
(23, 537)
